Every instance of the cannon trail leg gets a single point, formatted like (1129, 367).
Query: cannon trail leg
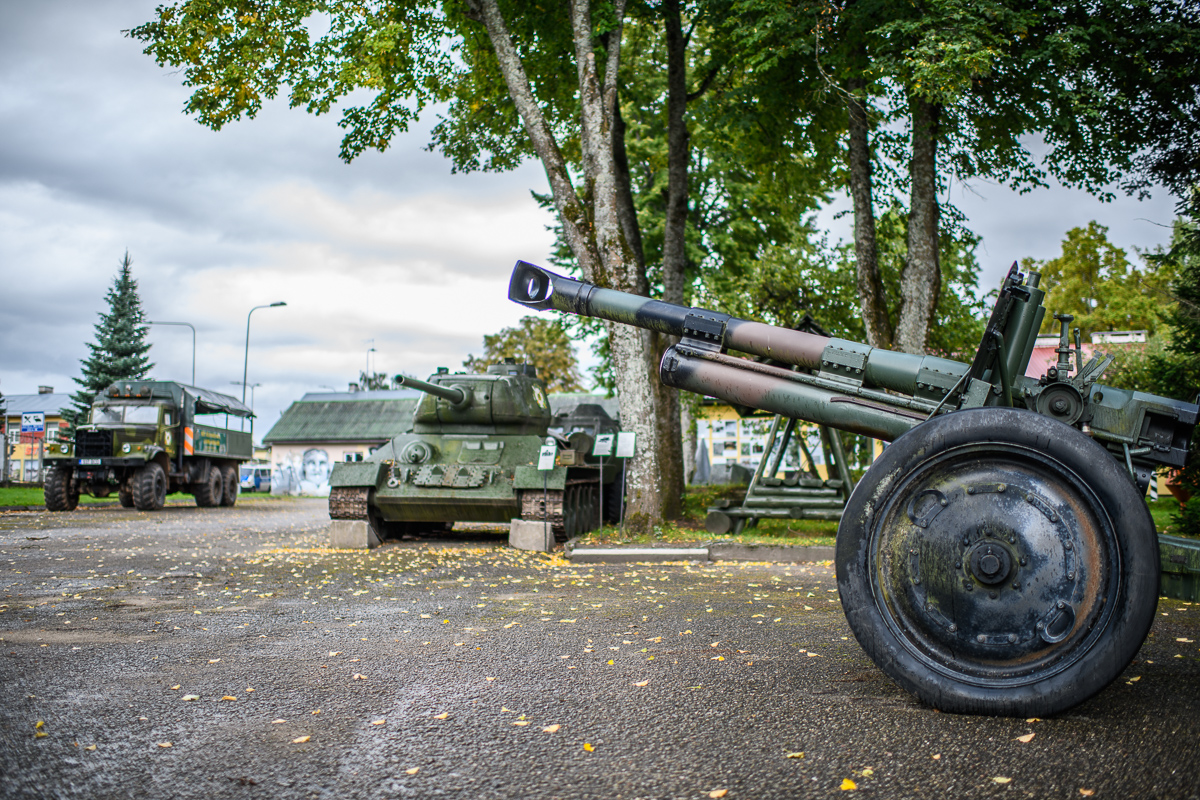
(999, 562)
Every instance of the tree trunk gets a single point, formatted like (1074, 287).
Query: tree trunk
(921, 280)
(871, 296)
(597, 241)
(632, 349)
(674, 249)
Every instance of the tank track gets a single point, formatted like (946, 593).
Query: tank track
(579, 506)
(348, 503)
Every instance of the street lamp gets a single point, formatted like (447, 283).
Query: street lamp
(246, 359)
(372, 350)
(235, 383)
(193, 327)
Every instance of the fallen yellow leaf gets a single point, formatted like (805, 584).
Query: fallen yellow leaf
(1087, 792)
(1002, 780)
(1026, 739)
(715, 793)
(213, 660)
(489, 679)
(278, 721)
(318, 711)
(936, 756)
(90, 747)
(443, 715)
(1032, 720)
(521, 723)
(333, 653)
(797, 754)
(190, 697)
(868, 772)
(358, 676)
(301, 739)
(379, 722)
(588, 747)
(229, 697)
(642, 683)
(814, 655)
(165, 744)
(412, 771)
(38, 725)
(848, 785)
(176, 686)
(551, 729)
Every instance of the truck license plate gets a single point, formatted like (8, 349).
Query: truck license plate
(89, 462)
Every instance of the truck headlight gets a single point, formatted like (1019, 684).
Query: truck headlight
(125, 447)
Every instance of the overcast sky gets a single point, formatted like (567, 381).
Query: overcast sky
(391, 251)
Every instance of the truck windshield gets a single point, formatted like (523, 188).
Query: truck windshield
(144, 415)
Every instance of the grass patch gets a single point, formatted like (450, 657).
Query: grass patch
(21, 496)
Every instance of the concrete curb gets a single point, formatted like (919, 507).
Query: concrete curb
(716, 551)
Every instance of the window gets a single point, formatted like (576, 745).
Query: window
(352, 456)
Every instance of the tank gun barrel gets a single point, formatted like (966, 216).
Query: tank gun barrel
(454, 395)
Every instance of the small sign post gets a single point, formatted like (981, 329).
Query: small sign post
(625, 449)
(603, 447)
(546, 463)
(33, 422)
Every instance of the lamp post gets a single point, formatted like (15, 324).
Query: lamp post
(237, 383)
(371, 350)
(246, 359)
(193, 327)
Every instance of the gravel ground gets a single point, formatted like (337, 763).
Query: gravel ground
(216, 653)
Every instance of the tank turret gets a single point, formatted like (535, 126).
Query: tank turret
(508, 399)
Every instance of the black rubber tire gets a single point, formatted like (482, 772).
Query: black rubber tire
(125, 496)
(208, 491)
(59, 490)
(229, 485)
(150, 488)
(1029, 493)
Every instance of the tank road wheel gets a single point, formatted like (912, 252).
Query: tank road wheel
(208, 491)
(996, 561)
(230, 485)
(60, 490)
(125, 496)
(150, 487)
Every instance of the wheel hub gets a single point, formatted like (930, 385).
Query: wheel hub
(990, 563)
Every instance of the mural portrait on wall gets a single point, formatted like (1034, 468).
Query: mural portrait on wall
(314, 472)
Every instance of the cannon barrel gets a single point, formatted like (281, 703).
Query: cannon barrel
(455, 395)
(541, 289)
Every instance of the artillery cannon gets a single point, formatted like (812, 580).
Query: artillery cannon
(999, 557)
(471, 457)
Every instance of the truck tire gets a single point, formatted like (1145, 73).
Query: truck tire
(125, 496)
(229, 477)
(150, 488)
(60, 490)
(208, 491)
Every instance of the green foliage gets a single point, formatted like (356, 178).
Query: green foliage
(804, 276)
(540, 341)
(374, 381)
(120, 350)
(1093, 281)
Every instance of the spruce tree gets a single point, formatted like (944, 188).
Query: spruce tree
(120, 350)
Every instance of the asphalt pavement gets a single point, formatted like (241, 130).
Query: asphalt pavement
(228, 653)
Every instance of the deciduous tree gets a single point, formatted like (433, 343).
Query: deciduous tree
(540, 341)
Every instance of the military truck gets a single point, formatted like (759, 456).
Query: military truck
(146, 439)
(472, 456)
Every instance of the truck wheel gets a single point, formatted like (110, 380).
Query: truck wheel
(125, 496)
(150, 487)
(60, 490)
(229, 477)
(996, 561)
(208, 491)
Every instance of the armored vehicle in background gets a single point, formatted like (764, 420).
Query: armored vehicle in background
(472, 456)
(145, 439)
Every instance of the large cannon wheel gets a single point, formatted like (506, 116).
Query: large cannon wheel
(996, 561)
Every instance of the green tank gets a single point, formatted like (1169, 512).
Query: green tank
(472, 456)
